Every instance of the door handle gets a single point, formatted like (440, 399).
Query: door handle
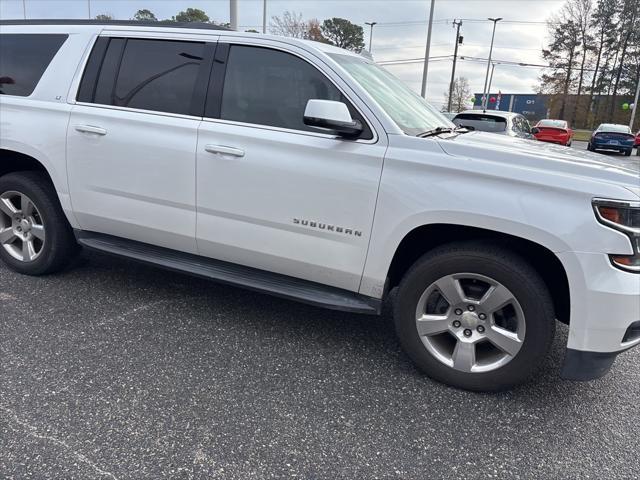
(90, 129)
(221, 149)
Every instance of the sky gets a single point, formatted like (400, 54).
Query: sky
(400, 34)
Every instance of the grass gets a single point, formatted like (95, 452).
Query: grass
(582, 135)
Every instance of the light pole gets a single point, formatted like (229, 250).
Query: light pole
(425, 70)
(233, 14)
(453, 69)
(486, 78)
(89, 8)
(371, 24)
(635, 107)
(264, 16)
(24, 9)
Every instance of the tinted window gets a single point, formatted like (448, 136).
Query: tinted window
(23, 60)
(484, 123)
(609, 127)
(157, 75)
(268, 87)
(552, 124)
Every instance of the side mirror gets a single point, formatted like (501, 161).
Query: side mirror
(332, 116)
(535, 130)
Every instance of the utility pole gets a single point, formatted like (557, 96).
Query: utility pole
(486, 78)
(264, 16)
(233, 14)
(89, 8)
(24, 9)
(371, 24)
(455, 58)
(425, 70)
(635, 107)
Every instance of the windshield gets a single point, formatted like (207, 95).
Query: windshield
(552, 124)
(407, 109)
(609, 127)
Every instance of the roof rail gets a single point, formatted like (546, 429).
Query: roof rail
(133, 23)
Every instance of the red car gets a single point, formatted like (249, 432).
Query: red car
(637, 142)
(553, 131)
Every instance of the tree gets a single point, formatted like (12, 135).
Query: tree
(629, 24)
(561, 56)
(579, 11)
(145, 15)
(601, 43)
(461, 95)
(191, 15)
(314, 31)
(289, 25)
(344, 34)
(602, 21)
(104, 17)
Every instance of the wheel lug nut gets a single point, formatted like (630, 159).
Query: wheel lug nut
(480, 329)
(468, 333)
(457, 324)
(471, 308)
(482, 316)
(458, 311)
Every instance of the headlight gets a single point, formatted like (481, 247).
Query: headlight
(624, 217)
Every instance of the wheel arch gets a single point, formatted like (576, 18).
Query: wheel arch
(424, 238)
(13, 161)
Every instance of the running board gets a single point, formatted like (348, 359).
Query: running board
(229, 273)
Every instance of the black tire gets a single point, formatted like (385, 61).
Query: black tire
(60, 245)
(590, 148)
(506, 268)
(627, 153)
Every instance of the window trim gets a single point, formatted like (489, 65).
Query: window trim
(214, 96)
(100, 47)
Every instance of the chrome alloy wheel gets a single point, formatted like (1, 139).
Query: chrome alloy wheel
(22, 232)
(470, 322)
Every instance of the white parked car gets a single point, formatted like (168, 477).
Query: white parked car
(511, 124)
(308, 172)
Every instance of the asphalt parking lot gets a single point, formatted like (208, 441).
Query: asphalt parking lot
(114, 370)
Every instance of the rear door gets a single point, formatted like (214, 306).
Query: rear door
(273, 193)
(132, 138)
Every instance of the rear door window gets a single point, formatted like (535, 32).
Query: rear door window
(483, 123)
(156, 75)
(24, 57)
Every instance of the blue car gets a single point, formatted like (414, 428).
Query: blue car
(609, 136)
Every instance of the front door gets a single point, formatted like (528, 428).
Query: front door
(273, 193)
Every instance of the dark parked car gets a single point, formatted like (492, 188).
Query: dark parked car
(609, 136)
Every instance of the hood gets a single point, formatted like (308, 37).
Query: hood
(613, 168)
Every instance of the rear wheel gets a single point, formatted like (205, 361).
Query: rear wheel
(628, 152)
(35, 237)
(475, 316)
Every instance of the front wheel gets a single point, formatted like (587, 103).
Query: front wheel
(475, 316)
(627, 153)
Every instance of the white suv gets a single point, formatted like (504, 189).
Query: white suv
(306, 171)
